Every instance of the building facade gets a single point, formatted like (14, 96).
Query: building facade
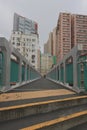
(54, 42)
(79, 30)
(50, 43)
(63, 35)
(46, 63)
(24, 25)
(71, 30)
(38, 59)
(48, 47)
(28, 46)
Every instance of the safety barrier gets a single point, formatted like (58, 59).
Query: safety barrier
(71, 72)
(15, 70)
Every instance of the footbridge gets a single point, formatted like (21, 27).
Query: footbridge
(30, 102)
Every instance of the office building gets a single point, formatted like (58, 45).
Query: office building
(24, 25)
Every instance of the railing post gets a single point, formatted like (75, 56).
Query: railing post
(75, 84)
(64, 64)
(60, 73)
(20, 71)
(25, 77)
(6, 74)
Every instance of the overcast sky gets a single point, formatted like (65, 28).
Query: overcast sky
(44, 12)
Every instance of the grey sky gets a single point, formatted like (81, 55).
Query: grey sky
(44, 12)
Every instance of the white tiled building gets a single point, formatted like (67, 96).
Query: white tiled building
(28, 45)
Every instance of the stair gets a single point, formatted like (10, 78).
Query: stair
(60, 114)
(62, 123)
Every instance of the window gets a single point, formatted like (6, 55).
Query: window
(33, 61)
(33, 40)
(13, 43)
(26, 55)
(18, 44)
(13, 38)
(27, 50)
(33, 50)
(18, 49)
(33, 57)
(18, 38)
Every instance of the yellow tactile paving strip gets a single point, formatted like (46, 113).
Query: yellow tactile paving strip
(55, 121)
(42, 103)
(33, 94)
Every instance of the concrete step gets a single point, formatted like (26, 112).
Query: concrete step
(37, 119)
(20, 111)
(21, 97)
(22, 101)
(61, 123)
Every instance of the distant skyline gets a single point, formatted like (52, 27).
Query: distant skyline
(44, 12)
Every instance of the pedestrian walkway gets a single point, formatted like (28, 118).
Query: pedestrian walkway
(40, 90)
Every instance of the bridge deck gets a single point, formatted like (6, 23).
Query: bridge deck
(40, 90)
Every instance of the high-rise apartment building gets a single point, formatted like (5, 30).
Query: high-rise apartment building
(54, 42)
(63, 35)
(38, 59)
(71, 30)
(79, 30)
(24, 25)
(48, 47)
(50, 43)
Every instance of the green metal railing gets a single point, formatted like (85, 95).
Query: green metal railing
(69, 73)
(62, 74)
(23, 73)
(14, 71)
